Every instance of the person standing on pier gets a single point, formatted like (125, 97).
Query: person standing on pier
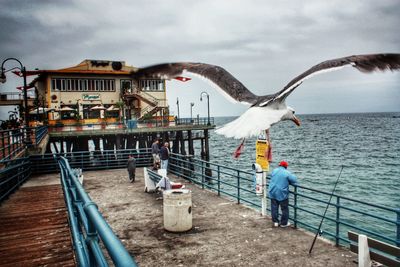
(155, 151)
(164, 155)
(278, 192)
(131, 168)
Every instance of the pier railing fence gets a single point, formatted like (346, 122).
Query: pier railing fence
(90, 231)
(15, 141)
(129, 125)
(307, 204)
(91, 160)
(13, 174)
(195, 121)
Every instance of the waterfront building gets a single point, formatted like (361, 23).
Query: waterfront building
(98, 91)
(100, 105)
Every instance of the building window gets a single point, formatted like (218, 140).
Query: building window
(152, 85)
(73, 85)
(91, 85)
(126, 86)
(53, 83)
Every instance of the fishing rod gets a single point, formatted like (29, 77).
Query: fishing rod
(323, 217)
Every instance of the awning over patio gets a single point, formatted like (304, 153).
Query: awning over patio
(98, 107)
(66, 108)
(112, 108)
(40, 110)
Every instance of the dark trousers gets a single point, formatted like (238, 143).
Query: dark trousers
(131, 175)
(284, 204)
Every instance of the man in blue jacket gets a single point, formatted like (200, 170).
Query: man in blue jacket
(278, 192)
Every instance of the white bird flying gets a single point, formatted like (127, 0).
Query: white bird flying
(265, 110)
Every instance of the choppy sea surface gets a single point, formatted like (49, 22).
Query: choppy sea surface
(367, 145)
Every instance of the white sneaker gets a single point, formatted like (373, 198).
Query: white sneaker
(276, 224)
(287, 225)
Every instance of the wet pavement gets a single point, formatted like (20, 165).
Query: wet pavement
(223, 234)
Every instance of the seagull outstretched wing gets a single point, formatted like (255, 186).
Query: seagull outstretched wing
(225, 83)
(364, 63)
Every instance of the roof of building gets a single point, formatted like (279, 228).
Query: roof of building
(96, 66)
(88, 66)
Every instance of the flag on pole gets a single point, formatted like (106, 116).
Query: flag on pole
(239, 149)
(182, 79)
(27, 87)
(27, 73)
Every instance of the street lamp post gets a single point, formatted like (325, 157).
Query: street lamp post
(177, 104)
(208, 106)
(191, 112)
(3, 79)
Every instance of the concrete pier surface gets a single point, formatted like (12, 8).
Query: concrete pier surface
(223, 234)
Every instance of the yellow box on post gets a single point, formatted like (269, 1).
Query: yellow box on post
(262, 146)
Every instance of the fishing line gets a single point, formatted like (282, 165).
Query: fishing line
(323, 217)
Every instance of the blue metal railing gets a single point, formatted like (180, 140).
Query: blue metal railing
(15, 141)
(88, 226)
(14, 173)
(91, 160)
(12, 142)
(344, 213)
(307, 203)
(87, 127)
(151, 123)
(124, 126)
(194, 121)
(40, 133)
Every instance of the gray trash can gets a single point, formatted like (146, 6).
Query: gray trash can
(177, 210)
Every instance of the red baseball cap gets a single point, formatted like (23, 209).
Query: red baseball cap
(283, 164)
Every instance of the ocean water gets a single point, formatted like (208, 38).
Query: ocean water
(367, 145)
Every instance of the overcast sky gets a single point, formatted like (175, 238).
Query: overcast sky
(262, 43)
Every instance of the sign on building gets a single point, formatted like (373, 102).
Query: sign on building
(91, 97)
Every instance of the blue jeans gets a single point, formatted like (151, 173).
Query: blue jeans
(284, 204)
(164, 164)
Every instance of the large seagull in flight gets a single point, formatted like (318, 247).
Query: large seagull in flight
(265, 110)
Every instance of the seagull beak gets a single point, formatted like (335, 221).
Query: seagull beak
(296, 120)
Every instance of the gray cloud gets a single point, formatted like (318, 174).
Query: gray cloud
(263, 43)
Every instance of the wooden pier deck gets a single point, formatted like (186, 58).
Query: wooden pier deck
(34, 226)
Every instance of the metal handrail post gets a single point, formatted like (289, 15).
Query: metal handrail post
(337, 239)
(295, 206)
(398, 228)
(238, 187)
(202, 175)
(91, 240)
(9, 145)
(82, 160)
(219, 181)
(3, 150)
